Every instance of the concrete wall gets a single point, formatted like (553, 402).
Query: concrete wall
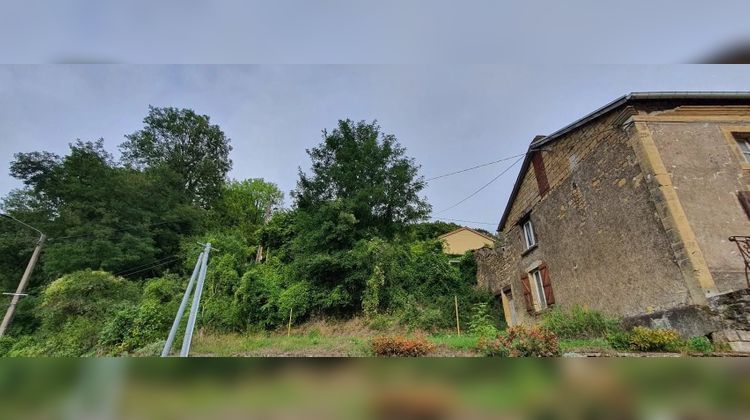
(457, 243)
(598, 230)
(707, 172)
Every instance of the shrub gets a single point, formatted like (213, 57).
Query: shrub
(619, 340)
(700, 345)
(6, 343)
(579, 322)
(481, 324)
(649, 340)
(520, 341)
(401, 346)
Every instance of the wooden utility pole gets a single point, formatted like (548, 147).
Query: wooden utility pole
(22, 286)
(289, 328)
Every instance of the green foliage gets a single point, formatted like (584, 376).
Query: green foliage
(520, 341)
(6, 344)
(646, 340)
(186, 144)
(481, 323)
(371, 298)
(368, 173)
(579, 322)
(137, 325)
(91, 295)
(619, 340)
(700, 345)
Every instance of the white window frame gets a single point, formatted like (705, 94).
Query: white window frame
(529, 235)
(743, 143)
(540, 300)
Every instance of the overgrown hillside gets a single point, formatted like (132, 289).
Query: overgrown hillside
(353, 242)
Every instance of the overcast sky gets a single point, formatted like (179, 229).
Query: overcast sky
(448, 117)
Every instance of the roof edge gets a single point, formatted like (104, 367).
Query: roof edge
(615, 104)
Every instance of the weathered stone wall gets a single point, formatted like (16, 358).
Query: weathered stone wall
(598, 230)
(707, 174)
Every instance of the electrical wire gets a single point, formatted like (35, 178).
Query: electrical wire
(127, 272)
(474, 167)
(463, 221)
(483, 187)
(149, 268)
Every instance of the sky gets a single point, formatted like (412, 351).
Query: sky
(449, 117)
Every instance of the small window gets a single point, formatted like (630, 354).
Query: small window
(539, 299)
(743, 142)
(529, 235)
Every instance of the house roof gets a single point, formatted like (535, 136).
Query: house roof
(490, 238)
(540, 141)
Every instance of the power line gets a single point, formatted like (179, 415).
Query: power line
(464, 221)
(483, 186)
(474, 167)
(150, 268)
(147, 264)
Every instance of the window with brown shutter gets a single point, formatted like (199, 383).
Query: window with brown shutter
(527, 294)
(540, 173)
(744, 197)
(547, 285)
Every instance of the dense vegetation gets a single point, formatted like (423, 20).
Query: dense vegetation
(124, 233)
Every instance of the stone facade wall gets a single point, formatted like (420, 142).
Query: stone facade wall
(707, 173)
(598, 230)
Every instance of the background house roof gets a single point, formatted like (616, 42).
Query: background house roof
(540, 141)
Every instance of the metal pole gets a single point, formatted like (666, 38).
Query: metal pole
(187, 340)
(22, 286)
(176, 324)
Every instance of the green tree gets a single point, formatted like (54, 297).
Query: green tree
(185, 143)
(368, 173)
(243, 206)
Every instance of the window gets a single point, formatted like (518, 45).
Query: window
(528, 234)
(744, 144)
(540, 300)
(537, 289)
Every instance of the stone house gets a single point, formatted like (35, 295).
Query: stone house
(629, 211)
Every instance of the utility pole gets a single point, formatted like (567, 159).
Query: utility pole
(24, 280)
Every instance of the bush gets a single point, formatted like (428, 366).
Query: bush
(579, 323)
(481, 324)
(401, 346)
(6, 343)
(619, 340)
(646, 340)
(520, 341)
(699, 345)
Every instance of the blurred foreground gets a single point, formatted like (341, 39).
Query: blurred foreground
(388, 389)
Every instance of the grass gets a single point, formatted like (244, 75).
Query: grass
(584, 345)
(263, 345)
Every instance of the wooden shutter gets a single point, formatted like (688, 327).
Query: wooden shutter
(744, 197)
(547, 284)
(540, 173)
(527, 293)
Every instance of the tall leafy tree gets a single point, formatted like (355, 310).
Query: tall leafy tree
(244, 204)
(368, 172)
(187, 144)
(98, 214)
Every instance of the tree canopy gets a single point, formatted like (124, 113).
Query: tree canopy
(185, 143)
